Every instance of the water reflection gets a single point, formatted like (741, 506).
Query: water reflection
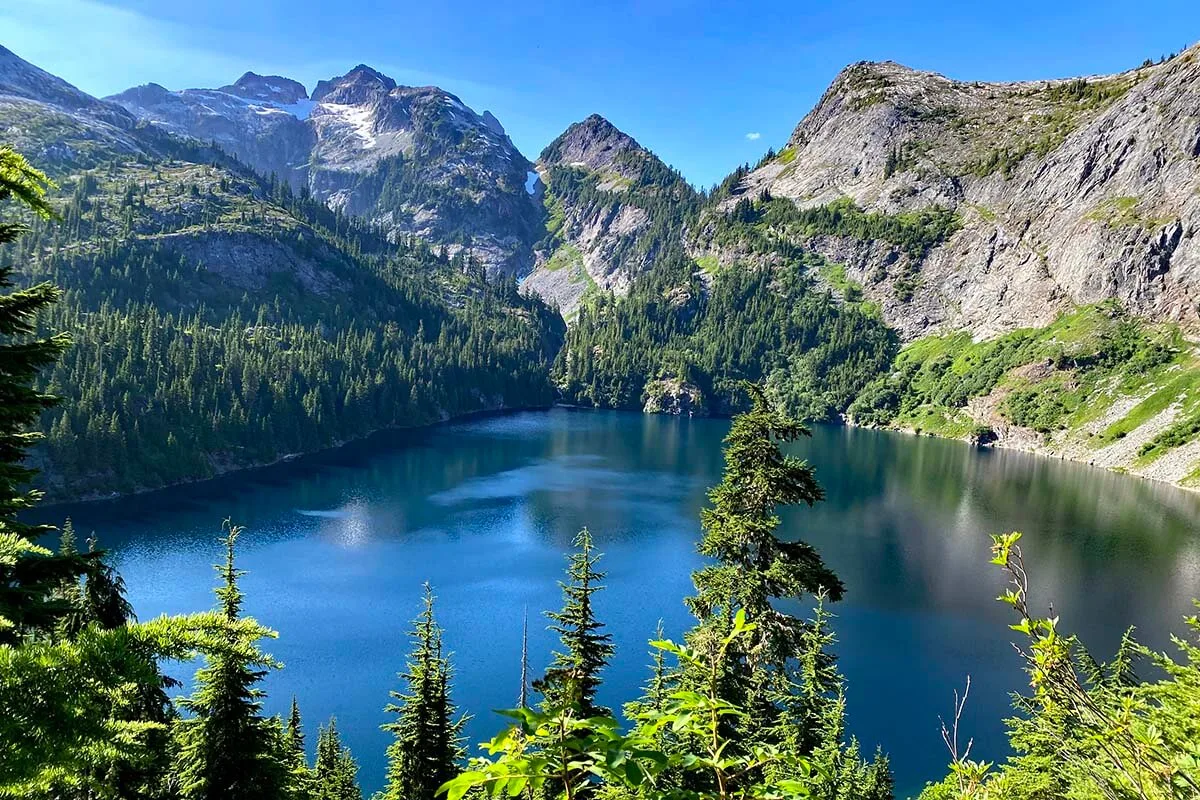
(338, 545)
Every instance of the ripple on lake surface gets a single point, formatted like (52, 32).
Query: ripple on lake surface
(338, 545)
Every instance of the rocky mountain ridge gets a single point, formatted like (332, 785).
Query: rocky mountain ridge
(414, 160)
(945, 209)
(50, 120)
(1067, 192)
(613, 208)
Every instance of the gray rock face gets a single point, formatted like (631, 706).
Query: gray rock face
(270, 137)
(668, 396)
(416, 160)
(55, 124)
(360, 85)
(597, 145)
(267, 88)
(601, 186)
(490, 120)
(1069, 191)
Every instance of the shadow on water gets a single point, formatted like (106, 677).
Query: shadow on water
(338, 544)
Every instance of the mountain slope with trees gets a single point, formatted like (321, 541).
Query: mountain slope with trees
(1060, 214)
(754, 708)
(222, 320)
(615, 209)
(892, 215)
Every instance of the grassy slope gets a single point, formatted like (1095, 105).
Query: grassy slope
(1092, 378)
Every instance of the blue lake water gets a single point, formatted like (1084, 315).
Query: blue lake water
(338, 545)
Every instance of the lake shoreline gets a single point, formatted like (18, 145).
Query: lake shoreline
(224, 473)
(1015, 446)
(290, 458)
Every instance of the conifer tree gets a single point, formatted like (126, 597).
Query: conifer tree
(70, 590)
(226, 748)
(21, 357)
(104, 591)
(335, 774)
(428, 739)
(302, 779)
(813, 722)
(783, 673)
(295, 729)
(753, 566)
(574, 675)
(31, 577)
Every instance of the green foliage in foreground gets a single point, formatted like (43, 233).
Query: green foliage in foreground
(1087, 730)
(559, 748)
(21, 360)
(225, 746)
(428, 738)
(573, 677)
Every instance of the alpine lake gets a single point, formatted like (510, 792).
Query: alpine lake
(337, 546)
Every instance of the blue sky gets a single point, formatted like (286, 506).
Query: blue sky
(705, 85)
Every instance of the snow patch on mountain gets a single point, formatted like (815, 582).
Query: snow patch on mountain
(357, 117)
(300, 109)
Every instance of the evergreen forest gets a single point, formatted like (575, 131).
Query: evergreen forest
(749, 703)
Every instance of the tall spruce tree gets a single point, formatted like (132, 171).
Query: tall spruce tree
(573, 677)
(31, 577)
(22, 355)
(335, 774)
(753, 566)
(227, 750)
(302, 779)
(428, 739)
(783, 674)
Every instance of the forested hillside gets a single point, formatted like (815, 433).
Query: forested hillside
(894, 215)
(221, 320)
(345, 295)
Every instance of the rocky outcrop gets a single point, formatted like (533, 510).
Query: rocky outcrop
(1068, 191)
(270, 137)
(605, 193)
(415, 160)
(672, 396)
(54, 123)
(596, 145)
(267, 89)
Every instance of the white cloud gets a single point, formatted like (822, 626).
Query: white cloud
(755, 136)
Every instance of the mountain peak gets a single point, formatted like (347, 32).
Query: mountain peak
(356, 86)
(594, 143)
(270, 88)
(493, 124)
(19, 78)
